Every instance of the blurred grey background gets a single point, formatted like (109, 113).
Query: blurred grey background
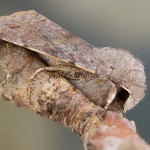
(117, 23)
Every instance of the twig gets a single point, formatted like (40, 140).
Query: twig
(58, 100)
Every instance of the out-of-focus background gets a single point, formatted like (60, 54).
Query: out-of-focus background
(117, 23)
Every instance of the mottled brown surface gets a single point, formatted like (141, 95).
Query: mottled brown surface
(58, 100)
(116, 133)
(48, 96)
(35, 32)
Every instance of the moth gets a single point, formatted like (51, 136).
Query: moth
(111, 78)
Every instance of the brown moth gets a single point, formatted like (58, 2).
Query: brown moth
(121, 79)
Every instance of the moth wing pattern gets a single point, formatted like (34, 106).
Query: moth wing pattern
(35, 32)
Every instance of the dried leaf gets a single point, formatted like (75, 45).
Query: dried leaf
(117, 67)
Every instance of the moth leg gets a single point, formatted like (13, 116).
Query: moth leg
(45, 69)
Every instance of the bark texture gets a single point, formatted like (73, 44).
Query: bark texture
(57, 99)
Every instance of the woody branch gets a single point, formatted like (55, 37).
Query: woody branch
(57, 99)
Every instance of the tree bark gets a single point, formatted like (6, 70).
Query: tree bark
(52, 96)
